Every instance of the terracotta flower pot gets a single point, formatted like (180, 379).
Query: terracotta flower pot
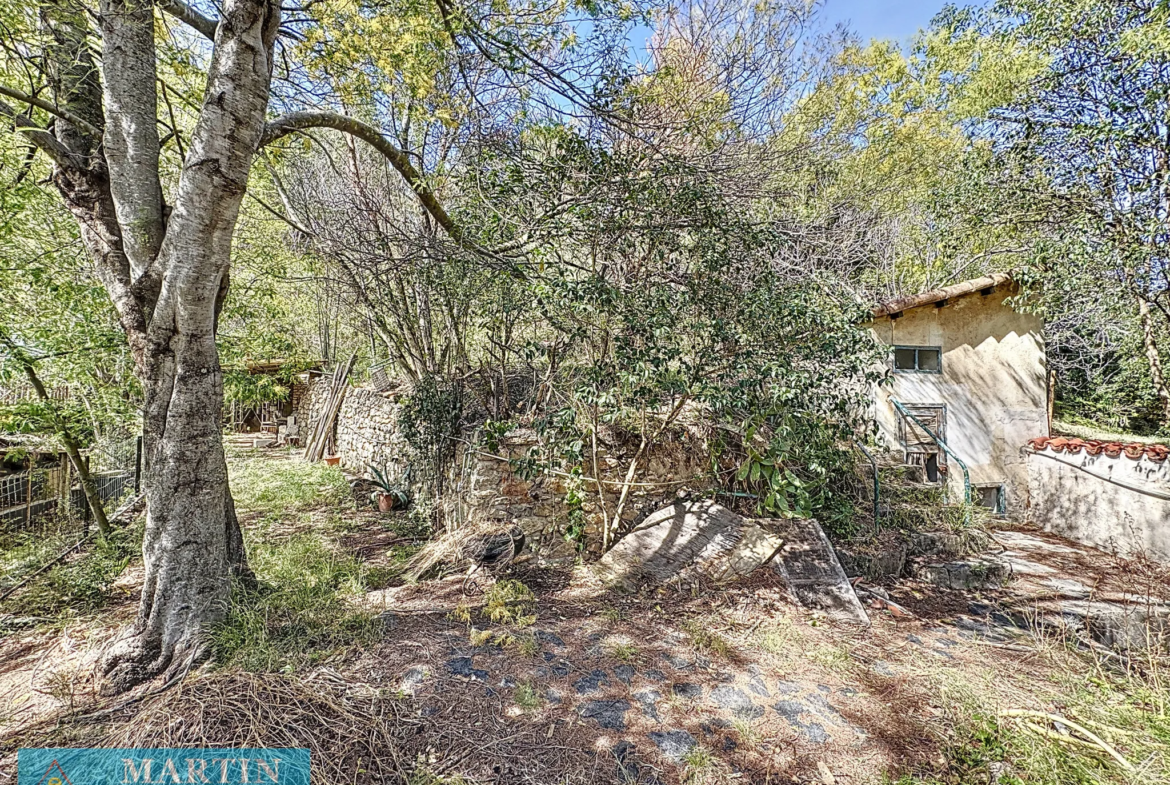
(386, 502)
(332, 460)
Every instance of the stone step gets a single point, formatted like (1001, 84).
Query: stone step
(984, 572)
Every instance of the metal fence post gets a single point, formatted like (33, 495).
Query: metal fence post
(28, 496)
(138, 466)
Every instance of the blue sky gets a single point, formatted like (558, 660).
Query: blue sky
(882, 18)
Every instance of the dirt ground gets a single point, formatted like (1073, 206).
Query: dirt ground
(686, 683)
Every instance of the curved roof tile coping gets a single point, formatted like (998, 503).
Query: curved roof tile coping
(1135, 450)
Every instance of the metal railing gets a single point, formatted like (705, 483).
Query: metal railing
(943, 445)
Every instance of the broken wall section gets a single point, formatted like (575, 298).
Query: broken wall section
(486, 485)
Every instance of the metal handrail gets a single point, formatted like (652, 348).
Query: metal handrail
(966, 474)
(877, 486)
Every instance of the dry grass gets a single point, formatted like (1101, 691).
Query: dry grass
(354, 733)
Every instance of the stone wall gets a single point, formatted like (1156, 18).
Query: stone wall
(481, 485)
(1118, 502)
(485, 486)
(365, 432)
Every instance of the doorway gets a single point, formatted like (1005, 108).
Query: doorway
(919, 447)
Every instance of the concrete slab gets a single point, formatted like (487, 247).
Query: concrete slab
(814, 573)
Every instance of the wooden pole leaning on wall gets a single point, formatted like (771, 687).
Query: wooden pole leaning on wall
(323, 428)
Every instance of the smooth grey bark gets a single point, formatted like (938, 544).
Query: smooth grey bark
(192, 541)
(166, 278)
(130, 142)
(167, 275)
(1154, 357)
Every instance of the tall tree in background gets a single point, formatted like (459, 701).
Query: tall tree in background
(1098, 118)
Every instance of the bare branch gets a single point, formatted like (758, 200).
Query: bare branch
(299, 121)
(40, 103)
(185, 13)
(61, 155)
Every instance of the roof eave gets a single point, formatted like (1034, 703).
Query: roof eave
(961, 289)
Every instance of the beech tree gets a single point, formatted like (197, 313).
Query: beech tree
(160, 240)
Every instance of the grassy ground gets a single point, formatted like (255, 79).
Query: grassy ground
(304, 659)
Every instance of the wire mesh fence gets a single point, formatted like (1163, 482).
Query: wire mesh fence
(52, 492)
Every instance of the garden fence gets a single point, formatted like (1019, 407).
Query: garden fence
(40, 494)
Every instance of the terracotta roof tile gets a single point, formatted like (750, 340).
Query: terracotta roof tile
(906, 302)
(1135, 450)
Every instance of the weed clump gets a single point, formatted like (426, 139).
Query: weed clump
(705, 640)
(82, 582)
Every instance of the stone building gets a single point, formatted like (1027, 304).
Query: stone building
(970, 368)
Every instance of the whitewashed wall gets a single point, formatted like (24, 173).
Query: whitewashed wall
(993, 384)
(1114, 503)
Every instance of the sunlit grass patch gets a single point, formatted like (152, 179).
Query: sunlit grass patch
(1088, 723)
(24, 552)
(261, 484)
(300, 611)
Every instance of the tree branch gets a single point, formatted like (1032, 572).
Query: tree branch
(299, 121)
(61, 155)
(131, 136)
(188, 15)
(40, 103)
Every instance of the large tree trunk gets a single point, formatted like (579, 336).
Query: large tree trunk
(193, 543)
(1154, 358)
(167, 277)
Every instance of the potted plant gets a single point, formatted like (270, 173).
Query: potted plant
(388, 495)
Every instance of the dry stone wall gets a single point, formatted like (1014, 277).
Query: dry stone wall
(368, 433)
(366, 430)
(486, 485)
(482, 485)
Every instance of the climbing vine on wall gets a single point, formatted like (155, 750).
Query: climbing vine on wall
(429, 421)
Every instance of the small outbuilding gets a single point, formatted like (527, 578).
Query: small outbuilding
(969, 380)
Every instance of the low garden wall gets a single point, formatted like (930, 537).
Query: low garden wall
(365, 432)
(555, 510)
(1112, 496)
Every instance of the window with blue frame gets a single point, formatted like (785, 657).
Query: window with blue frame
(918, 359)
